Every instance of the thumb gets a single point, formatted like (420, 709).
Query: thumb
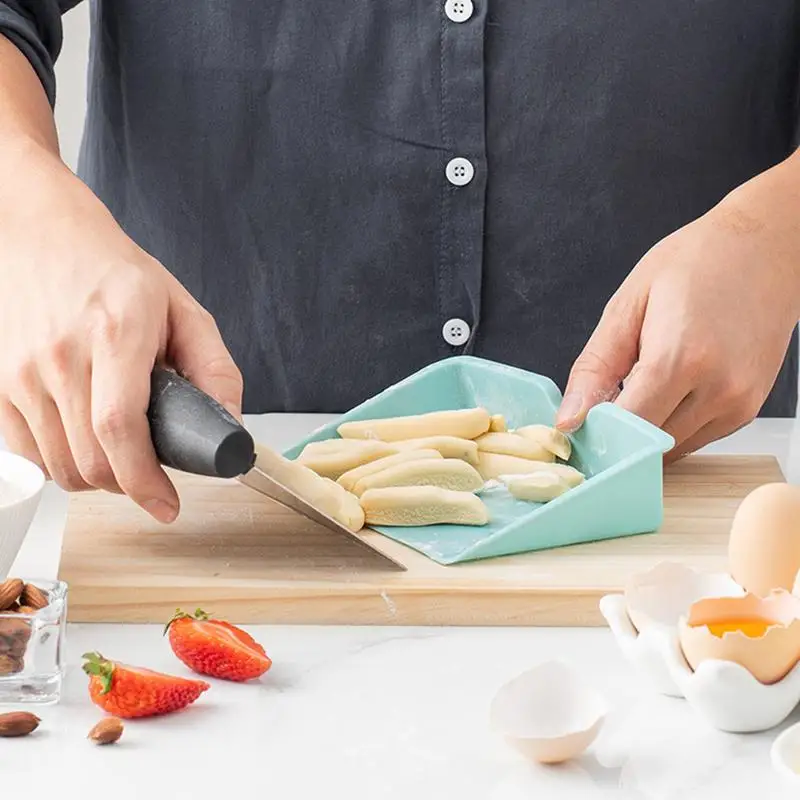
(607, 358)
(195, 348)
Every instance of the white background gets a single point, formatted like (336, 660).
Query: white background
(71, 77)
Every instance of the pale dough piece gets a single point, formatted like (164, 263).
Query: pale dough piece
(404, 506)
(332, 465)
(466, 423)
(448, 446)
(493, 465)
(446, 473)
(510, 444)
(539, 487)
(497, 424)
(322, 493)
(328, 446)
(549, 438)
(569, 476)
(573, 477)
(350, 513)
(353, 476)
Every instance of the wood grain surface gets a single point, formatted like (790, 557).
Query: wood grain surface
(239, 555)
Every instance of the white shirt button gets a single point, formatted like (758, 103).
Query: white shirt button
(458, 10)
(455, 332)
(459, 171)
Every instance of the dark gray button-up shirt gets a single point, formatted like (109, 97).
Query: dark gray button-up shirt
(294, 164)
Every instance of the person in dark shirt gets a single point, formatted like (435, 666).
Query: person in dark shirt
(298, 204)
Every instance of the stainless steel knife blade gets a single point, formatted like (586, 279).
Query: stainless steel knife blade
(269, 476)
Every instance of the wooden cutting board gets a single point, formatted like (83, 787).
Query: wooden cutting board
(242, 556)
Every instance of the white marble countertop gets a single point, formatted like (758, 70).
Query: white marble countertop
(379, 713)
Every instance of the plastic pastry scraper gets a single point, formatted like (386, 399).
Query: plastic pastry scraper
(193, 433)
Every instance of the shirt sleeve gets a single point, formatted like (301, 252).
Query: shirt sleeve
(34, 26)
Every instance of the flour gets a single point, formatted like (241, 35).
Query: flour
(9, 493)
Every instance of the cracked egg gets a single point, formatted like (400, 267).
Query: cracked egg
(762, 634)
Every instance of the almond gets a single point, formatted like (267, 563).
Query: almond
(15, 628)
(25, 610)
(10, 590)
(10, 665)
(33, 597)
(18, 723)
(107, 731)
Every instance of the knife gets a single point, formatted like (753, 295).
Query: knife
(193, 433)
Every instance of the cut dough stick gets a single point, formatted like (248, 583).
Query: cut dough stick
(322, 493)
(328, 446)
(466, 423)
(351, 515)
(573, 477)
(353, 476)
(510, 444)
(446, 473)
(448, 446)
(332, 465)
(562, 472)
(538, 487)
(497, 424)
(493, 465)
(551, 439)
(406, 506)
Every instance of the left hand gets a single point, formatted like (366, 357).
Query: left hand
(697, 333)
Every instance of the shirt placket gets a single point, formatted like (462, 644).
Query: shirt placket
(463, 171)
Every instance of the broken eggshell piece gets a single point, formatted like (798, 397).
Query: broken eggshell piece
(549, 714)
(760, 634)
(664, 593)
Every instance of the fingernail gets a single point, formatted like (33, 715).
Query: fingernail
(570, 410)
(161, 510)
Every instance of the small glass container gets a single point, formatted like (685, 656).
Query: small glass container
(32, 649)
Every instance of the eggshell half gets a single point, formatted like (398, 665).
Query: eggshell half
(659, 596)
(768, 658)
(764, 544)
(549, 713)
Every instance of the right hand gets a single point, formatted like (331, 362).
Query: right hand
(84, 316)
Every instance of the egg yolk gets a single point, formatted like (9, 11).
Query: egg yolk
(749, 627)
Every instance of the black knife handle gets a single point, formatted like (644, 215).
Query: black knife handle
(193, 433)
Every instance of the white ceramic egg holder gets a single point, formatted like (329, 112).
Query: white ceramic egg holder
(644, 622)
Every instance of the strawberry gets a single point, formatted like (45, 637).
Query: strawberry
(215, 647)
(128, 692)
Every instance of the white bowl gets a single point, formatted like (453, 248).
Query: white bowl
(21, 485)
(785, 754)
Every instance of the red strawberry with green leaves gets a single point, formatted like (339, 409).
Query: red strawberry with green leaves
(129, 692)
(215, 647)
